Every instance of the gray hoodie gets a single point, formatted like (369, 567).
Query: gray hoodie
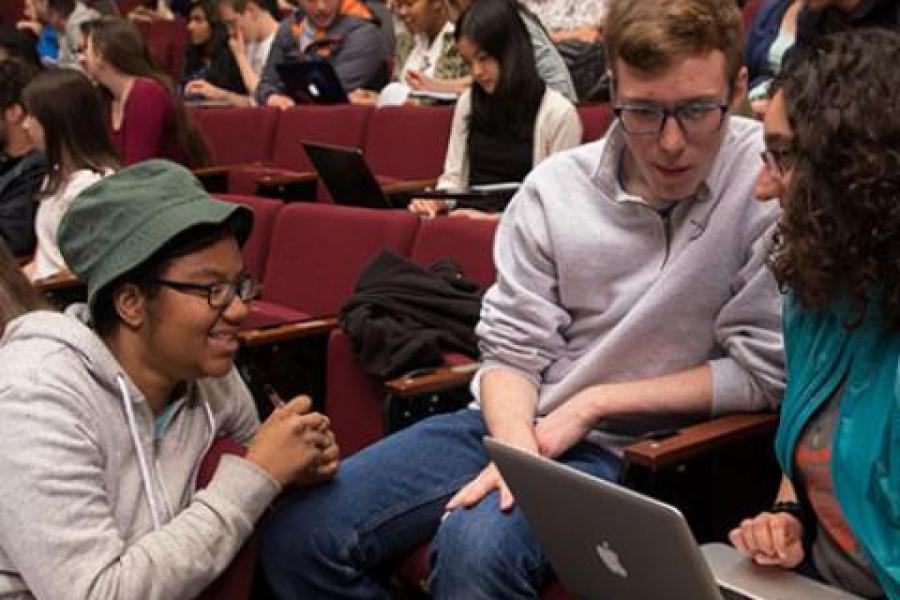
(82, 513)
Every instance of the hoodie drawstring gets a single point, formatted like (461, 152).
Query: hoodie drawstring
(139, 450)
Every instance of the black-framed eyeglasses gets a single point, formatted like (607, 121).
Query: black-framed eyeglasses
(219, 294)
(694, 118)
(778, 160)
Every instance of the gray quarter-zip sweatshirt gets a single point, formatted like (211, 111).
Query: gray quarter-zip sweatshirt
(596, 286)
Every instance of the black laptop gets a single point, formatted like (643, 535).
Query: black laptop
(311, 82)
(348, 178)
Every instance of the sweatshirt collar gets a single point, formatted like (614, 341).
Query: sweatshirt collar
(608, 175)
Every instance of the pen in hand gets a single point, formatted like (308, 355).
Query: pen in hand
(273, 396)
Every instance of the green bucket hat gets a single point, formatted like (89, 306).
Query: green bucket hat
(122, 220)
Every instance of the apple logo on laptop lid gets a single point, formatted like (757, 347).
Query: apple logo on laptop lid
(611, 560)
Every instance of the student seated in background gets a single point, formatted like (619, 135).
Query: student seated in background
(118, 401)
(146, 117)
(571, 20)
(65, 120)
(344, 34)
(252, 26)
(22, 165)
(631, 295)
(47, 44)
(835, 513)
(769, 37)
(509, 120)
(210, 69)
(66, 17)
(550, 64)
(426, 57)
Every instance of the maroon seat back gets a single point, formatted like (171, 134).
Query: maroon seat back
(237, 135)
(236, 582)
(595, 120)
(256, 248)
(408, 142)
(167, 41)
(318, 252)
(354, 399)
(341, 125)
(469, 242)
(11, 11)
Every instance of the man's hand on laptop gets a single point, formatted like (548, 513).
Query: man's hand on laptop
(770, 539)
(474, 492)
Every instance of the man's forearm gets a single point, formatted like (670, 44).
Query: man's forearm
(685, 392)
(508, 403)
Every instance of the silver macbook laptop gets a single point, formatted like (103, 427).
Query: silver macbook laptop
(611, 543)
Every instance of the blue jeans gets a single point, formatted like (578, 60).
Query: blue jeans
(332, 540)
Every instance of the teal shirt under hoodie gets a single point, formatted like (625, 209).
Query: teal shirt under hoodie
(75, 509)
(865, 462)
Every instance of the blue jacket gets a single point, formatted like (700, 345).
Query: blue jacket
(760, 35)
(865, 464)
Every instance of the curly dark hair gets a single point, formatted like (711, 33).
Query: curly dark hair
(839, 235)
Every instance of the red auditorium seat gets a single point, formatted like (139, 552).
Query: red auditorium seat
(342, 125)
(408, 142)
(256, 248)
(167, 41)
(595, 120)
(237, 136)
(316, 254)
(11, 11)
(355, 401)
(236, 582)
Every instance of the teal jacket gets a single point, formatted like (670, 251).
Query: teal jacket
(821, 352)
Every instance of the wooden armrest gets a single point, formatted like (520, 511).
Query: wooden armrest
(214, 179)
(287, 332)
(700, 438)
(280, 179)
(407, 187)
(61, 281)
(434, 380)
(202, 172)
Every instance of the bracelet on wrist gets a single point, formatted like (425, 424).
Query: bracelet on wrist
(794, 509)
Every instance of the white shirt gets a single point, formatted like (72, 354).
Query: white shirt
(568, 14)
(424, 56)
(47, 258)
(258, 52)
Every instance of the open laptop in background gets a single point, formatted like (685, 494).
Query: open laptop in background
(311, 81)
(348, 178)
(611, 543)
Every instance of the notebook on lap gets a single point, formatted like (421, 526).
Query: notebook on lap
(611, 543)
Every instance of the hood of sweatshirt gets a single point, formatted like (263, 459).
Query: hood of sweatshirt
(43, 330)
